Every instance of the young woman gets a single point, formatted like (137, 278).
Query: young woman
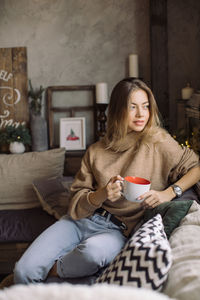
(100, 219)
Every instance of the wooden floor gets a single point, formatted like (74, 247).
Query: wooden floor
(9, 254)
(2, 276)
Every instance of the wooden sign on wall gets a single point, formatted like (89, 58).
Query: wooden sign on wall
(14, 108)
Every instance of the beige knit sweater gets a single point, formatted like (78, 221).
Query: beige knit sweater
(160, 162)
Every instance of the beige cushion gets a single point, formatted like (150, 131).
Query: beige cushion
(18, 171)
(184, 276)
(54, 194)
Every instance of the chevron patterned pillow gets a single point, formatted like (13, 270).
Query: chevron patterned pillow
(144, 261)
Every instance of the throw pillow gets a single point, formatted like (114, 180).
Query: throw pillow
(17, 172)
(144, 261)
(66, 291)
(53, 194)
(172, 213)
(184, 281)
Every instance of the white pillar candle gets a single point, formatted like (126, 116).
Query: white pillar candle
(187, 92)
(133, 65)
(102, 92)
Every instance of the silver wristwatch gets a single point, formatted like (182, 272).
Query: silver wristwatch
(177, 190)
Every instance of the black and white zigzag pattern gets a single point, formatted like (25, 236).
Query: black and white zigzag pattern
(144, 261)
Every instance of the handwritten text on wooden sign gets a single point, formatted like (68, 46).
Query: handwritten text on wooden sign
(7, 98)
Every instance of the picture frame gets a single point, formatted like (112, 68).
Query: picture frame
(67, 102)
(72, 133)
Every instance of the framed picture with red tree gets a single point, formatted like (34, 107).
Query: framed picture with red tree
(72, 133)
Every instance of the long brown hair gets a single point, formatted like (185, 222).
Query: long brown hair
(117, 124)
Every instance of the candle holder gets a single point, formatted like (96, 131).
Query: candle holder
(101, 119)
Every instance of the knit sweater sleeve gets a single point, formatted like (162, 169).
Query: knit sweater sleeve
(83, 185)
(180, 158)
(188, 160)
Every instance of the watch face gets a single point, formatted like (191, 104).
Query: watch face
(177, 190)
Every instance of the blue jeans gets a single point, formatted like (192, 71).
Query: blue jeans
(80, 248)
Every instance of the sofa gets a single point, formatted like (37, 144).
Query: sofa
(34, 191)
(21, 215)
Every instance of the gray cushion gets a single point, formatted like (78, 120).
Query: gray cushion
(53, 194)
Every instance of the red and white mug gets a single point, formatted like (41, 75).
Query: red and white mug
(133, 187)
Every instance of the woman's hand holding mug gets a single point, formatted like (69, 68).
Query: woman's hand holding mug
(130, 187)
(134, 187)
(114, 187)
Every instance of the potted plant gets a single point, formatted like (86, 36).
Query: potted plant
(15, 137)
(37, 123)
(36, 99)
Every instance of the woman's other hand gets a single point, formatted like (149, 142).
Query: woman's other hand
(113, 188)
(153, 198)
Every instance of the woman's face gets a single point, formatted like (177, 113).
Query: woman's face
(138, 111)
